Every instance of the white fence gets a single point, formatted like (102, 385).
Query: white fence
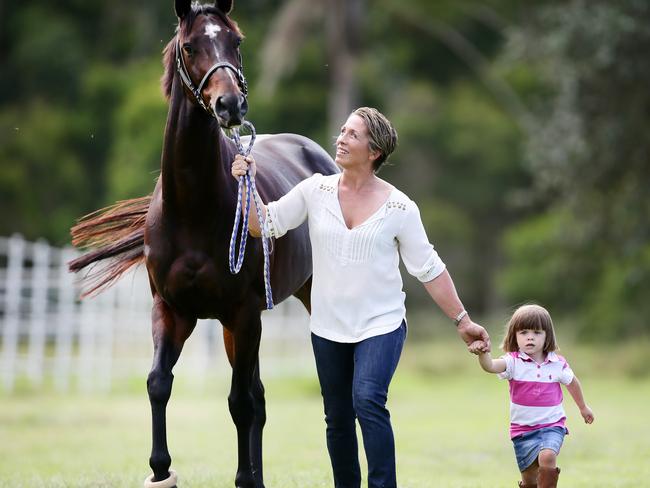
(48, 336)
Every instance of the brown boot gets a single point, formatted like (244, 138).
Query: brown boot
(547, 477)
(523, 485)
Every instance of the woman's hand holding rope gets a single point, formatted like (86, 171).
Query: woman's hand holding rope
(242, 164)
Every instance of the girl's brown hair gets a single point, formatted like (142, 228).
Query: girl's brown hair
(530, 317)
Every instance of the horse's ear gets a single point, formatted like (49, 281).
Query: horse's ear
(224, 5)
(183, 7)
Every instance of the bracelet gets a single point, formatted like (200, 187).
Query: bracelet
(460, 317)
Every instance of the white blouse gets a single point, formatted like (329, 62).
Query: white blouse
(357, 287)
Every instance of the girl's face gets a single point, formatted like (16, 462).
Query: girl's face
(352, 144)
(531, 341)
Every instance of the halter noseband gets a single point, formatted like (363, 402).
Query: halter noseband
(187, 80)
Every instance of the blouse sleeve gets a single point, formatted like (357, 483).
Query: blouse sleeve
(419, 256)
(290, 210)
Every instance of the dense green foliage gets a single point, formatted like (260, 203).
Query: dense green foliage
(523, 129)
(588, 251)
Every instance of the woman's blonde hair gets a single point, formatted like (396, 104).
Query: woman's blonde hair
(530, 317)
(381, 133)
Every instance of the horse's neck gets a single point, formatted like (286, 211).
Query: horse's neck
(195, 161)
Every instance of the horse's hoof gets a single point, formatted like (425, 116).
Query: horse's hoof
(247, 482)
(170, 482)
(249, 485)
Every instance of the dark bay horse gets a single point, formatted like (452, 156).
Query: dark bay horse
(182, 230)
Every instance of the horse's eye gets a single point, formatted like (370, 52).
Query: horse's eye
(187, 47)
(238, 42)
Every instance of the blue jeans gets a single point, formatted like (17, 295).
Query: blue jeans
(354, 380)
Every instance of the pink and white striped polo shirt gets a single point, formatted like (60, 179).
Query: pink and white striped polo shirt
(535, 391)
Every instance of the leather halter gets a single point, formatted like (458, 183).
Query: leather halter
(187, 80)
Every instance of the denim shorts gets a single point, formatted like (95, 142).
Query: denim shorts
(528, 445)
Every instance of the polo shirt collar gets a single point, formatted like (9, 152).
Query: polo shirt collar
(551, 357)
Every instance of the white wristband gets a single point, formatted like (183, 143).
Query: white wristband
(459, 317)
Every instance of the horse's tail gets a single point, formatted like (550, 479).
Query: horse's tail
(115, 233)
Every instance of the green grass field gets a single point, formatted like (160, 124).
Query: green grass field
(450, 422)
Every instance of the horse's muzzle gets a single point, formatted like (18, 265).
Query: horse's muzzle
(230, 109)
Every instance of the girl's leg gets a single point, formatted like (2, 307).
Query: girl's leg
(529, 476)
(543, 473)
(547, 458)
(375, 361)
(548, 473)
(335, 367)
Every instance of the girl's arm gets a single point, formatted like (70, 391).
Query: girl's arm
(575, 390)
(491, 365)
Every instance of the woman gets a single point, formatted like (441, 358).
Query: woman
(359, 225)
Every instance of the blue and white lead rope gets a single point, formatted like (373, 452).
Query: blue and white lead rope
(250, 183)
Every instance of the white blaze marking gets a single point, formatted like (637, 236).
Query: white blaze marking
(212, 30)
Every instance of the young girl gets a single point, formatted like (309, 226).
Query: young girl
(535, 372)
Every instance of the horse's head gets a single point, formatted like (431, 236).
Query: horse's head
(208, 60)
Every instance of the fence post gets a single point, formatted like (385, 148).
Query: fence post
(13, 285)
(104, 334)
(86, 358)
(65, 315)
(38, 304)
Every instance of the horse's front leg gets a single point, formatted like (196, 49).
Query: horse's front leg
(246, 399)
(259, 419)
(169, 331)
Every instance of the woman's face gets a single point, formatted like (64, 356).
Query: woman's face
(352, 144)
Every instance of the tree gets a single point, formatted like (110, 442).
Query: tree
(589, 154)
(343, 21)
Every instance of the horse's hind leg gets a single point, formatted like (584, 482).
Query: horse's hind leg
(169, 332)
(259, 408)
(246, 399)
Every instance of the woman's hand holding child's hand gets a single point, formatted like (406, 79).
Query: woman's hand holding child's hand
(477, 347)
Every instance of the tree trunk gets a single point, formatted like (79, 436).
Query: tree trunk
(344, 26)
